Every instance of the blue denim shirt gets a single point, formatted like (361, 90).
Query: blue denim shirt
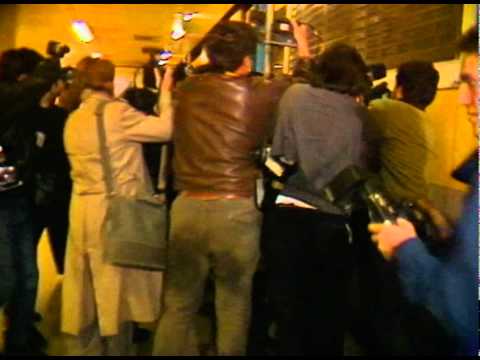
(448, 287)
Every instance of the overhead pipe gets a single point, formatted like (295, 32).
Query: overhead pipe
(267, 66)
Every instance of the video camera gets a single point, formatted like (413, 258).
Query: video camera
(377, 72)
(353, 189)
(50, 70)
(356, 189)
(8, 174)
(14, 149)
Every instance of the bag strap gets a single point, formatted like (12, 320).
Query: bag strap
(105, 157)
(102, 140)
(162, 174)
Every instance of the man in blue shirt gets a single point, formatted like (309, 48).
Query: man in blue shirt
(446, 286)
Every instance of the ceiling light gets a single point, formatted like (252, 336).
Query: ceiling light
(202, 59)
(165, 55)
(178, 31)
(82, 31)
(187, 16)
(96, 55)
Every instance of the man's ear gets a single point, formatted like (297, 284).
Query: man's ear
(246, 67)
(110, 87)
(248, 63)
(397, 93)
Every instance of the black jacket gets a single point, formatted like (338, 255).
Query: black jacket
(18, 109)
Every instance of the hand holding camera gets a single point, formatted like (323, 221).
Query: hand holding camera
(388, 237)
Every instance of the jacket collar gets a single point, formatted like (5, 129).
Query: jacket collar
(89, 93)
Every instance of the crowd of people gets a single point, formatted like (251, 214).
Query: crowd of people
(321, 275)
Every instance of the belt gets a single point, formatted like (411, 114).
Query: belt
(206, 195)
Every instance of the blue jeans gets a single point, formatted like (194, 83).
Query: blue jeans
(18, 267)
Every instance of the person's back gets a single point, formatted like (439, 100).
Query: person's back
(221, 117)
(326, 128)
(99, 300)
(307, 244)
(20, 93)
(399, 132)
(220, 121)
(404, 147)
(448, 286)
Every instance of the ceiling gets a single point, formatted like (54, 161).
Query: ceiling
(120, 30)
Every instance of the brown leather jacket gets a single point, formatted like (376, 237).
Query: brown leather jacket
(219, 122)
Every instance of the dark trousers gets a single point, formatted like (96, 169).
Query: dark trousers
(52, 215)
(18, 267)
(383, 321)
(308, 260)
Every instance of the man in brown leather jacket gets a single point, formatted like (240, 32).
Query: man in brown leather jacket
(221, 117)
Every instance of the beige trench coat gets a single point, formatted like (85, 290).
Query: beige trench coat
(92, 289)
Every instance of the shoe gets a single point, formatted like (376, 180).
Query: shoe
(37, 340)
(22, 351)
(140, 335)
(37, 317)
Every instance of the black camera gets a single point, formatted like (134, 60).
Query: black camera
(57, 50)
(377, 72)
(50, 70)
(356, 189)
(8, 174)
(275, 171)
(353, 189)
(8, 178)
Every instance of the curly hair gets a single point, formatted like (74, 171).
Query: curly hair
(468, 43)
(340, 68)
(229, 43)
(419, 81)
(15, 62)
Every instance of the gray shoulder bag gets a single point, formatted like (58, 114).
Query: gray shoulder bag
(136, 228)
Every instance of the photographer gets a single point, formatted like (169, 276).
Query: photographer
(400, 133)
(100, 301)
(448, 287)
(52, 171)
(222, 115)
(307, 239)
(20, 93)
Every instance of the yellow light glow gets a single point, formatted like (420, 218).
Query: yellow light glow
(82, 31)
(178, 31)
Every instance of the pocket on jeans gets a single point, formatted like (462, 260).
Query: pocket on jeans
(245, 214)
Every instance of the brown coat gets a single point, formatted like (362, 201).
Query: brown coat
(220, 121)
(92, 289)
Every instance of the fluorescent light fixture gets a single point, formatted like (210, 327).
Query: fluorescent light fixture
(178, 31)
(82, 31)
(187, 16)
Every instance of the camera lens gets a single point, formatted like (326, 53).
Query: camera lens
(63, 50)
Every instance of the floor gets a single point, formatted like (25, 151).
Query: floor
(49, 302)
